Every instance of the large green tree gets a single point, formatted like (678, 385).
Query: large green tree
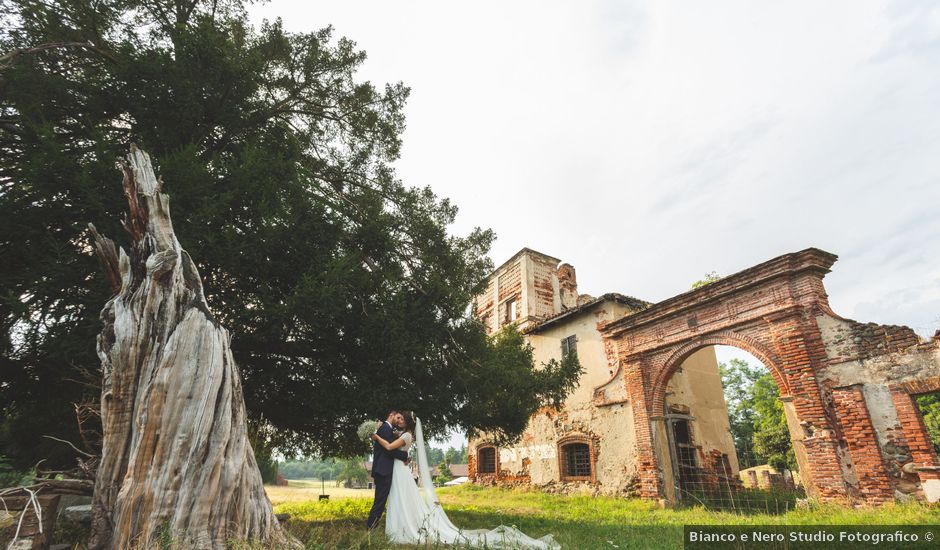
(342, 287)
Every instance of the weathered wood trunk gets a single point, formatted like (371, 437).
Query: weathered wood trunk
(176, 460)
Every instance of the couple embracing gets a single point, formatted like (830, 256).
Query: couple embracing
(415, 515)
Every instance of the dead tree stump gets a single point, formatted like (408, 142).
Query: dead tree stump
(175, 455)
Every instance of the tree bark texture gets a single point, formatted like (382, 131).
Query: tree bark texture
(176, 460)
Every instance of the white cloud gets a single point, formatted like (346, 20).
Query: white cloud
(648, 143)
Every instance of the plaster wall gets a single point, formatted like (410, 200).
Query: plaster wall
(697, 386)
(609, 427)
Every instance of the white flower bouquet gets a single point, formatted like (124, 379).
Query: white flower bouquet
(366, 429)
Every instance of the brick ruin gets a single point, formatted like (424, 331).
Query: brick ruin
(848, 388)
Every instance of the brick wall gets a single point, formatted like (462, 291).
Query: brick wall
(545, 291)
(859, 435)
(775, 311)
(915, 433)
(770, 311)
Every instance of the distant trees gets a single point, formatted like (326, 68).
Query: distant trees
(755, 412)
(327, 470)
(443, 474)
(434, 455)
(353, 473)
(456, 456)
(450, 456)
(330, 469)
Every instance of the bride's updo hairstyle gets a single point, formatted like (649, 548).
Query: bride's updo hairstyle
(409, 421)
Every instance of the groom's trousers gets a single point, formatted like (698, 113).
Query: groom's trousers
(383, 485)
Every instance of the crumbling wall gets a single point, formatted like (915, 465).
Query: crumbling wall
(873, 374)
(848, 388)
(544, 294)
(568, 286)
(531, 280)
(535, 459)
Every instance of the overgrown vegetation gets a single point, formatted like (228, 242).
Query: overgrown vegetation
(581, 522)
(707, 279)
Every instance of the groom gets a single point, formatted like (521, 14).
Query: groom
(382, 462)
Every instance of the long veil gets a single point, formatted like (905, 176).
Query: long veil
(424, 469)
(439, 526)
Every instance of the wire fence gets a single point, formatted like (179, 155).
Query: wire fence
(720, 488)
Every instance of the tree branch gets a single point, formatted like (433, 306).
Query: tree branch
(8, 59)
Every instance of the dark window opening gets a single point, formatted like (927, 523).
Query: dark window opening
(576, 460)
(486, 460)
(512, 311)
(569, 345)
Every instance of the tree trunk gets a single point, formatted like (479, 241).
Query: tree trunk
(176, 461)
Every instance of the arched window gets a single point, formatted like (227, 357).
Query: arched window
(486, 460)
(576, 460)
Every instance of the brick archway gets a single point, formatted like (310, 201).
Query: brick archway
(720, 338)
(674, 358)
(848, 389)
(770, 310)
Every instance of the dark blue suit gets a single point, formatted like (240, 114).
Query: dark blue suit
(382, 462)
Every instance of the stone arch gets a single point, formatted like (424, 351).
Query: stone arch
(675, 357)
(721, 338)
(770, 310)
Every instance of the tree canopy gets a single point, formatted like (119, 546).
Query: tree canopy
(343, 289)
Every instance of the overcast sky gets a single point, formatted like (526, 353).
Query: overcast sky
(649, 143)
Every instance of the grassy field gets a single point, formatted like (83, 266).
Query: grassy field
(304, 490)
(575, 521)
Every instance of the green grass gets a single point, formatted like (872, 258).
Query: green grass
(575, 521)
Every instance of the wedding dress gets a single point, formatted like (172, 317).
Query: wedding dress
(415, 516)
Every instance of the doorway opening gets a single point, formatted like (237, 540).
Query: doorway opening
(728, 442)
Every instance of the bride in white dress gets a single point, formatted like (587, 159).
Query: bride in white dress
(415, 515)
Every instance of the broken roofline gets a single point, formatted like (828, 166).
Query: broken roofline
(523, 250)
(630, 301)
(809, 259)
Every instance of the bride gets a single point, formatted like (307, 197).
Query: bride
(415, 516)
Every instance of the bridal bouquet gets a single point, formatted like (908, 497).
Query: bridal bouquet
(366, 429)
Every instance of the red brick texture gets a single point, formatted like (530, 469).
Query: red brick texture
(775, 311)
(770, 310)
(859, 435)
(915, 432)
